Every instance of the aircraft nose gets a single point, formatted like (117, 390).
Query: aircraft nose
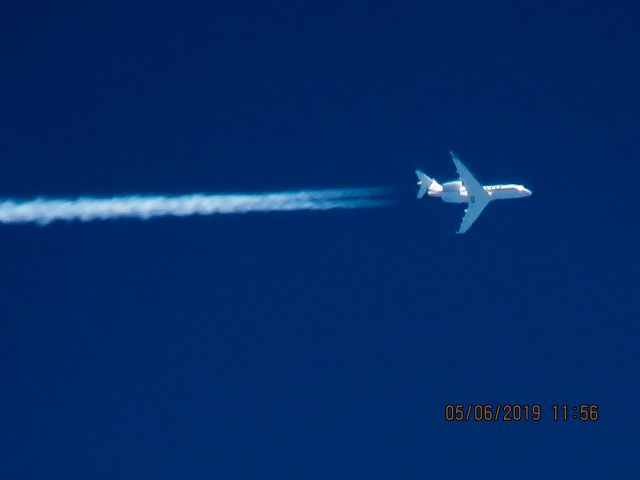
(527, 192)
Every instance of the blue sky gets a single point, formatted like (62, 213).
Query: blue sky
(317, 344)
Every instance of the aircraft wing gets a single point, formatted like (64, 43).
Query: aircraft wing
(472, 185)
(478, 198)
(473, 211)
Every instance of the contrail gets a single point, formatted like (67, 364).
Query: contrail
(84, 209)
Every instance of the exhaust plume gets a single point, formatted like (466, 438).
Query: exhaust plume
(84, 209)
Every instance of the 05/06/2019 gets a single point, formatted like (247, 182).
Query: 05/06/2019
(519, 412)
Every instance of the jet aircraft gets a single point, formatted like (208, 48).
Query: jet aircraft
(468, 190)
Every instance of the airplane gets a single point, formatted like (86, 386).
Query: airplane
(468, 190)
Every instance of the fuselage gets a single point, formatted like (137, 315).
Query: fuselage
(455, 192)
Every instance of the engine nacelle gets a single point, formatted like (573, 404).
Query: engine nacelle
(454, 192)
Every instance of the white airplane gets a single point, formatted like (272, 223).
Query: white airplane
(468, 190)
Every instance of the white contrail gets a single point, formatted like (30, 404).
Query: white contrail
(84, 209)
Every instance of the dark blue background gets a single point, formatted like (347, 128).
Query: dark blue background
(315, 345)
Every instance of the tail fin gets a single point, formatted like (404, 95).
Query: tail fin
(425, 182)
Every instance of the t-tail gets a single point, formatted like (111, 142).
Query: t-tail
(427, 184)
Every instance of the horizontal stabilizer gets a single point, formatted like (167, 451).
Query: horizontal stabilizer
(424, 182)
